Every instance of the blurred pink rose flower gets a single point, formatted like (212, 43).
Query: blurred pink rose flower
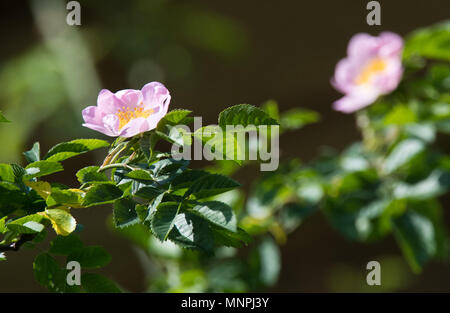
(128, 112)
(373, 67)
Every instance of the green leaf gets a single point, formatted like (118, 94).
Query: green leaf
(6, 173)
(402, 153)
(68, 197)
(298, 118)
(210, 185)
(72, 148)
(416, 236)
(164, 219)
(18, 171)
(102, 193)
(431, 42)
(223, 145)
(151, 209)
(63, 223)
(218, 213)
(244, 114)
(30, 224)
(231, 239)
(90, 257)
(400, 115)
(42, 188)
(42, 168)
(125, 213)
(436, 184)
(95, 283)
(3, 118)
(33, 155)
(145, 145)
(3, 228)
(90, 174)
(164, 171)
(2, 256)
(271, 108)
(48, 273)
(270, 261)
(65, 245)
(173, 117)
(191, 231)
(186, 178)
(139, 174)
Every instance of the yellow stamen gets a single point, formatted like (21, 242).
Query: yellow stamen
(373, 67)
(125, 115)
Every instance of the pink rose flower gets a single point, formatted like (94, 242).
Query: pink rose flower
(128, 112)
(373, 67)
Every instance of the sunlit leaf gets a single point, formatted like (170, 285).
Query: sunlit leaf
(72, 148)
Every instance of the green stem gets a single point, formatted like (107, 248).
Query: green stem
(114, 165)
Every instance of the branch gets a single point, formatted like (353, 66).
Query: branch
(15, 246)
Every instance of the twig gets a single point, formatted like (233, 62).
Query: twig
(15, 246)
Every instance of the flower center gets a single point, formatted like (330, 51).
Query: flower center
(373, 67)
(125, 115)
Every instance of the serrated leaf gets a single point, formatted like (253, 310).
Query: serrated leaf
(164, 171)
(139, 174)
(244, 114)
(33, 155)
(173, 117)
(18, 171)
(90, 257)
(218, 213)
(221, 145)
(30, 224)
(163, 220)
(151, 209)
(42, 188)
(48, 273)
(6, 173)
(145, 145)
(3, 228)
(186, 178)
(102, 193)
(95, 283)
(210, 185)
(65, 245)
(42, 168)
(62, 222)
(230, 239)
(72, 148)
(192, 232)
(125, 213)
(68, 197)
(90, 174)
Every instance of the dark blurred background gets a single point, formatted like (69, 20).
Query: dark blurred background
(210, 54)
